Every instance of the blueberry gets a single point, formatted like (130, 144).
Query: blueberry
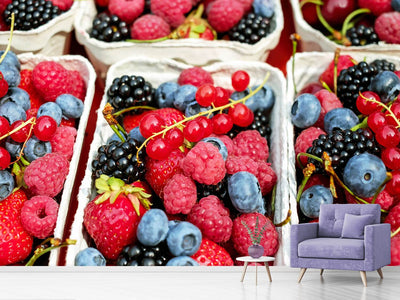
(312, 198)
(153, 227)
(264, 99)
(6, 184)
(343, 118)
(71, 106)
(184, 239)
(13, 147)
(18, 96)
(35, 148)
(11, 59)
(219, 144)
(244, 192)
(11, 74)
(239, 95)
(193, 108)
(51, 109)
(387, 85)
(184, 95)
(12, 112)
(266, 8)
(135, 133)
(114, 137)
(165, 94)
(90, 257)
(364, 174)
(305, 110)
(396, 5)
(181, 261)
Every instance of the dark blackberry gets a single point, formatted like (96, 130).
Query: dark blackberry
(361, 35)
(127, 91)
(353, 80)
(260, 123)
(140, 255)
(30, 14)
(118, 159)
(250, 29)
(109, 28)
(383, 65)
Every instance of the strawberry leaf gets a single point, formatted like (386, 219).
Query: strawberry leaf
(135, 203)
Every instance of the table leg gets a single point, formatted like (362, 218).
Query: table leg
(244, 271)
(256, 273)
(268, 271)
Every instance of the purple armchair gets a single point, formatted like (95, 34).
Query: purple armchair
(347, 237)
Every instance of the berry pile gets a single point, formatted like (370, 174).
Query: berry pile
(38, 109)
(344, 157)
(187, 169)
(237, 20)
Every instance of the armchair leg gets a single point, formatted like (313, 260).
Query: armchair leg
(363, 277)
(322, 271)
(380, 273)
(302, 271)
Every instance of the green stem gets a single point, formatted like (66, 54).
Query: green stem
(117, 132)
(294, 43)
(311, 156)
(316, 2)
(44, 251)
(148, 41)
(125, 110)
(273, 200)
(350, 17)
(396, 232)
(363, 124)
(326, 86)
(199, 11)
(381, 187)
(323, 21)
(301, 187)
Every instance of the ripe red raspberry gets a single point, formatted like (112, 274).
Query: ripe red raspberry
(328, 102)
(393, 218)
(395, 250)
(224, 14)
(266, 177)
(3, 5)
(236, 164)
(246, 4)
(126, 10)
(344, 62)
(196, 76)
(377, 7)
(241, 238)
(180, 194)
(304, 141)
(78, 88)
(173, 12)
(212, 254)
(46, 175)
(384, 199)
(63, 4)
(387, 26)
(251, 143)
(212, 218)
(63, 141)
(39, 216)
(149, 27)
(204, 164)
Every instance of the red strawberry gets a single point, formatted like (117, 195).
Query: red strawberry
(211, 254)
(15, 242)
(344, 62)
(27, 85)
(170, 115)
(131, 121)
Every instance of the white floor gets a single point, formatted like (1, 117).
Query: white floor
(65, 283)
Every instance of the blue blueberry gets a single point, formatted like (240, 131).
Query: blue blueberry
(342, 118)
(244, 192)
(184, 95)
(71, 106)
(35, 148)
(11, 59)
(193, 108)
(264, 99)
(312, 198)
(184, 239)
(135, 133)
(172, 224)
(11, 74)
(12, 112)
(396, 5)
(51, 109)
(219, 144)
(6, 184)
(240, 95)
(13, 147)
(182, 261)
(266, 8)
(153, 227)
(90, 257)
(165, 94)
(364, 174)
(18, 96)
(305, 110)
(387, 85)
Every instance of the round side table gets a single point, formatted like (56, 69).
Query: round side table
(262, 259)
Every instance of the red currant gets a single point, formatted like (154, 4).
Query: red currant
(391, 158)
(222, 123)
(193, 131)
(4, 126)
(3, 86)
(5, 158)
(221, 97)
(22, 134)
(388, 136)
(241, 115)
(175, 137)
(150, 124)
(395, 108)
(32, 113)
(45, 128)
(207, 125)
(158, 148)
(393, 186)
(376, 120)
(368, 107)
(240, 80)
(205, 94)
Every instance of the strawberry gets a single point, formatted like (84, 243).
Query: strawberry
(112, 217)
(15, 242)
(27, 85)
(211, 254)
(131, 121)
(344, 62)
(170, 115)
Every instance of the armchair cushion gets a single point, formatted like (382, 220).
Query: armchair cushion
(332, 248)
(353, 225)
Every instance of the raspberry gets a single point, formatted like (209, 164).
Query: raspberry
(63, 4)
(63, 141)
(3, 5)
(149, 27)
(227, 141)
(384, 199)
(246, 4)
(393, 218)
(212, 218)
(236, 164)
(241, 238)
(224, 14)
(304, 141)
(78, 89)
(39, 216)
(180, 194)
(328, 102)
(196, 76)
(387, 26)
(344, 62)
(395, 250)
(377, 7)
(126, 10)
(46, 175)
(266, 177)
(173, 12)
(212, 254)
(204, 164)
(250, 143)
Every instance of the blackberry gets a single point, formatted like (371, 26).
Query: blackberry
(250, 29)
(140, 255)
(118, 159)
(109, 28)
(30, 14)
(353, 80)
(260, 123)
(127, 91)
(341, 145)
(361, 35)
(383, 65)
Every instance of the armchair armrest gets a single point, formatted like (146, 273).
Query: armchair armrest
(299, 233)
(377, 246)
